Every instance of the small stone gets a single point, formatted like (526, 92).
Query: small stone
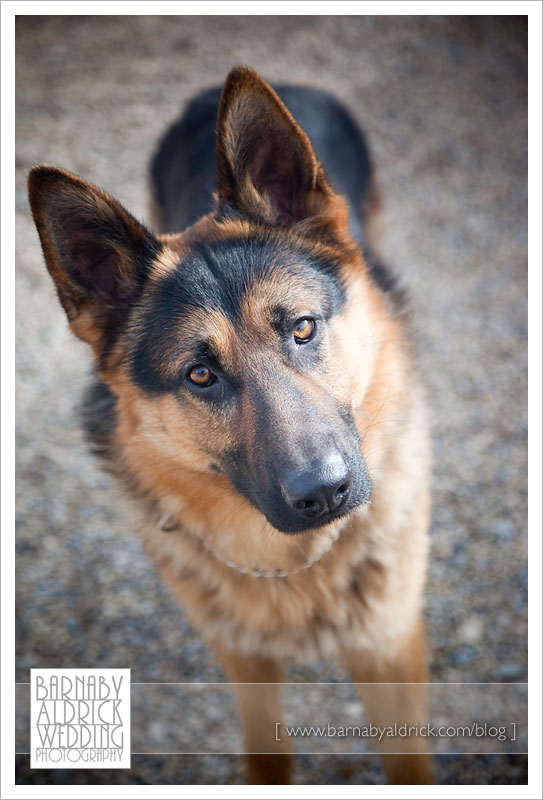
(503, 529)
(471, 630)
(510, 671)
(463, 656)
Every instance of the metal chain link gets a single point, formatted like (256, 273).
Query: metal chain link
(169, 523)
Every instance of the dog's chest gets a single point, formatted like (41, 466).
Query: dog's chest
(336, 602)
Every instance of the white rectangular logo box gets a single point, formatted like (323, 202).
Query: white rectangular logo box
(80, 718)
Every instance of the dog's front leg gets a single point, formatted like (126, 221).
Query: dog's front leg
(393, 690)
(259, 695)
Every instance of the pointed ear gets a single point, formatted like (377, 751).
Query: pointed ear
(266, 164)
(97, 253)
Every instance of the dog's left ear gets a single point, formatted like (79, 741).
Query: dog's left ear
(266, 164)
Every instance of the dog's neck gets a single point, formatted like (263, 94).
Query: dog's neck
(168, 523)
(246, 542)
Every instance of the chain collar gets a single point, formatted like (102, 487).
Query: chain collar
(169, 523)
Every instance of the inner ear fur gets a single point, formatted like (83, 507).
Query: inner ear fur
(97, 253)
(267, 167)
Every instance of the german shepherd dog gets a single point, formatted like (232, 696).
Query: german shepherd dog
(256, 390)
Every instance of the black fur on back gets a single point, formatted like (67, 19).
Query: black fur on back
(387, 282)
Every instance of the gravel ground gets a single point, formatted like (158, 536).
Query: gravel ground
(443, 102)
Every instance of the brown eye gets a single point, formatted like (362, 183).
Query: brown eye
(201, 375)
(304, 330)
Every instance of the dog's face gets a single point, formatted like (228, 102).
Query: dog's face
(241, 333)
(233, 348)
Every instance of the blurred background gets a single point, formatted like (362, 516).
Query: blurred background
(443, 101)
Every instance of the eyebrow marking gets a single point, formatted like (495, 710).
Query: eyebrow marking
(223, 293)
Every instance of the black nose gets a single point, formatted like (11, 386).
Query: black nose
(325, 488)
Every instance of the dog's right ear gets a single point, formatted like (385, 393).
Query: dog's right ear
(97, 253)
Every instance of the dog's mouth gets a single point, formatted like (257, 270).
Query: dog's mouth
(294, 525)
(286, 521)
(290, 514)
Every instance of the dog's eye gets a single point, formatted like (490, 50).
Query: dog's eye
(304, 330)
(201, 376)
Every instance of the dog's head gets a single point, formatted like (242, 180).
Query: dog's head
(241, 349)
